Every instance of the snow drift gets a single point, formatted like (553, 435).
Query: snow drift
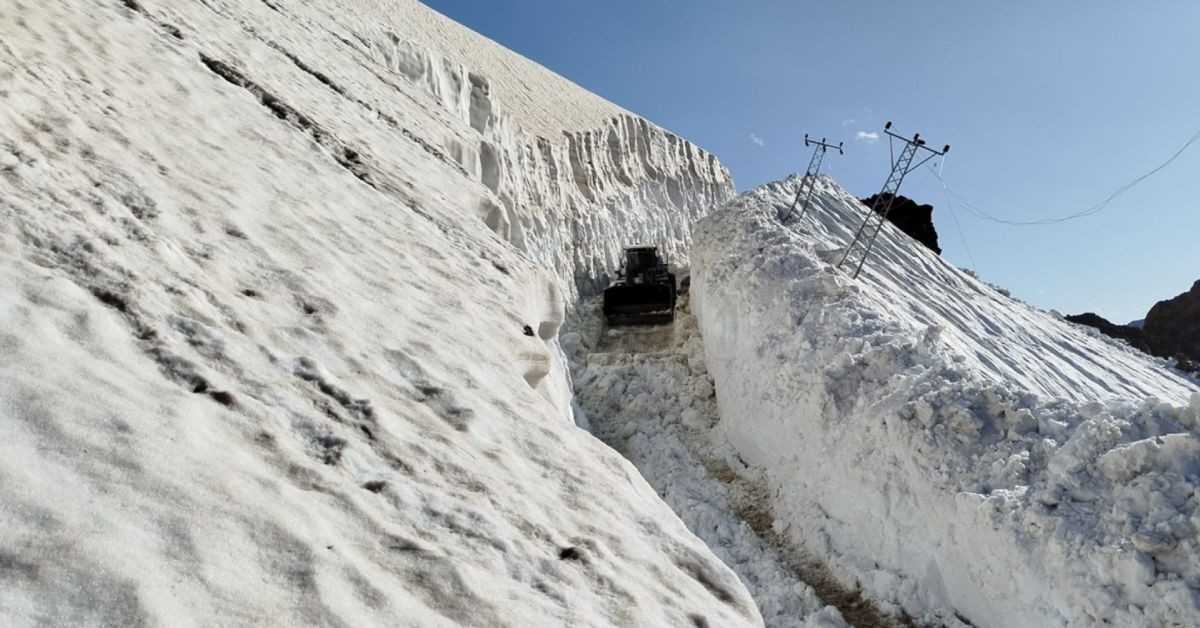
(265, 359)
(948, 446)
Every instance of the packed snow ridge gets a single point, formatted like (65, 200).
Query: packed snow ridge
(268, 353)
(943, 445)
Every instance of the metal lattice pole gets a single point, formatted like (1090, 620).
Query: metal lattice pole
(808, 183)
(882, 204)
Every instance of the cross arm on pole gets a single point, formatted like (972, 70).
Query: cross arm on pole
(916, 139)
(823, 144)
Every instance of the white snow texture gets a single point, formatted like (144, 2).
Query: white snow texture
(281, 291)
(943, 444)
(268, 354)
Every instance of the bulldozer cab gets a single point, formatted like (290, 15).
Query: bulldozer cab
(644, 292)
(640, 259)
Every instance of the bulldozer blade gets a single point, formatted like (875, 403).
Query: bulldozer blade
(644, 318)
(633, 304)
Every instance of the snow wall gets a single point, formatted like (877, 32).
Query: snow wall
(948, 446)
(573, 178)
(268, 354)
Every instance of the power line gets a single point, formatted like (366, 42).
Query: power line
(957, 226)
(1094, 209)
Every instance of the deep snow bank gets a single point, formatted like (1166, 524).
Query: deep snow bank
(950, 446)
(573, 177)
(263, 362)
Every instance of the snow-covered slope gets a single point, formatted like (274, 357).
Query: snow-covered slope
(264, 361)
(946, 445)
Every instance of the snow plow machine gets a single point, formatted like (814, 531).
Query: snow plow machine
(644, 293)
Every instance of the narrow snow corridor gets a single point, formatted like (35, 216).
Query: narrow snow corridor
(646, 392)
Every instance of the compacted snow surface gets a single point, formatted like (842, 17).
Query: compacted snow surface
(949, 448)
(281, 290)
(278, 326)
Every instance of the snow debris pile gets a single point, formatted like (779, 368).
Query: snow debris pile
(946, 445)
(264, 361)
(647, 393)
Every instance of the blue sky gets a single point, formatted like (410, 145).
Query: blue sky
(1048, 107)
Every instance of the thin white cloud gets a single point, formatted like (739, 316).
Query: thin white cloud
(757, 140)
(869, 138)
(848, 121)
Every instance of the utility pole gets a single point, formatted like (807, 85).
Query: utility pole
(810, 176)
(901, 166)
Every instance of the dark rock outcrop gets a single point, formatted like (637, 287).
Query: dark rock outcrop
(1172, 327)
(1171, 330)
(913, 219)
(1132, 335)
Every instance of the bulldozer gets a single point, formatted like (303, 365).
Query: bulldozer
(644, 292)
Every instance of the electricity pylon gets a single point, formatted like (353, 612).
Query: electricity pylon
(810, 176)
(901, 166)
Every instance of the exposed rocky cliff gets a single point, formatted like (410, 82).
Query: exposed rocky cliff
(1172, 327)
(1171, 330)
